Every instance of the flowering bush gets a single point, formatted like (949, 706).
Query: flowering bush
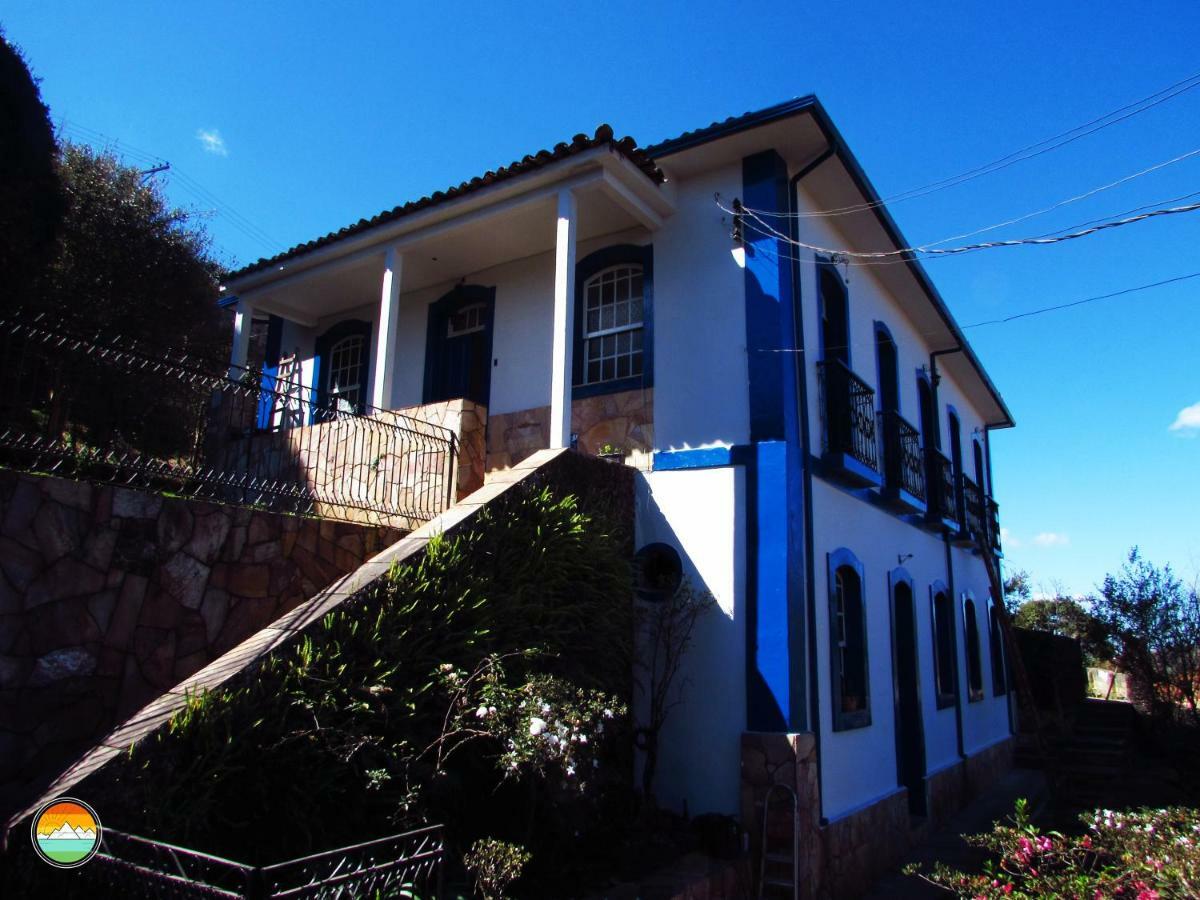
(1150, 854)
(544, 726)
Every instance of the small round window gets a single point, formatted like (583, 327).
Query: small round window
(658, 572)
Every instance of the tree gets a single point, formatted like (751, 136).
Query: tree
(32, 201)
(129, 270)
(1154, 622)
(129, 263)
(1067, 617)
(1017, 590)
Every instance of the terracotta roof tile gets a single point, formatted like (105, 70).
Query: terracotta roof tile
(626, 146)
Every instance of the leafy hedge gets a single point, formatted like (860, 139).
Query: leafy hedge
(328, 741)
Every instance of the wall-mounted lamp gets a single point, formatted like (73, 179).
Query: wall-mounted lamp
(739, 235)
(902, 559)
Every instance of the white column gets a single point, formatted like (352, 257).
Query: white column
(243, 313)
(385, 334)
(564, 322)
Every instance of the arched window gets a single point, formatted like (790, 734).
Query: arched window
(980, 470)
(835, 317)
(848, 643)
(613, 320)
(974, 661)
(346, 382)
(341, 367)
(945, 676)
(999, 682)
(929, 422)
(887, 361)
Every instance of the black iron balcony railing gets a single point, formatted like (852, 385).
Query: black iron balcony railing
(848, 415)
(993, 525)
(903, 467)
(939, 482)
(103, 410)
(972, 510)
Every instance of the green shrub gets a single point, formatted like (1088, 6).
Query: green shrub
(495, 865)
(327, 741)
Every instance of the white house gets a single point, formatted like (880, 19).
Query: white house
(812, 436)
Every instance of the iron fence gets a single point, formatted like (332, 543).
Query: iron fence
(848, 410)
(903, 466)
(972, 510)
(939, 484)
(109, 410)
(407, 865)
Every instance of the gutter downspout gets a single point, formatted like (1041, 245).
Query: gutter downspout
(934, 379)
(814, 693)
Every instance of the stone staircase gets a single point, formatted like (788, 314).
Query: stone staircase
(1096, 754)
(560, 466)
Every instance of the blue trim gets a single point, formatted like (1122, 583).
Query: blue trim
(824, 267)
(772, 656)
(778, 682)
(643, 255)
(702, 458)
(226, 302)
(859, 718)
(270, 372)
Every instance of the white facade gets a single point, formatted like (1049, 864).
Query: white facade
(700, 491)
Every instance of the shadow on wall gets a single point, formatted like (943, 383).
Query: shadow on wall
(699, 752)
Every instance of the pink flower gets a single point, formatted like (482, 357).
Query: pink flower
(1044, 844)
(1147, 895)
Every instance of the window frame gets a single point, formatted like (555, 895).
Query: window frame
(996, 653)
(944, 700)
(591, 265)
(973, 649)
(860, 718)
(322, 410)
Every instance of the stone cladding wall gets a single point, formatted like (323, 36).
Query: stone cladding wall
(625, 420)
(843, 858)
(110, 596)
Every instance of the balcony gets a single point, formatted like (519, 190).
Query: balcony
(993, 527)
(903, 468)
(942, 509)
(971, 512)
(849, 441)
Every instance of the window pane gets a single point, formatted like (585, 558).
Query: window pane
(622, 314)
(607, 369)
(593, 321)
(593, 296)
(622, 289)
(610, 344)
(636, 284)
(637, 363)
(635, 310)
(593, 372)
(636, 337)
(606, 317)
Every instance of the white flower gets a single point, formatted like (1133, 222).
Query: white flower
(536, 726)
(608, 714)
(583, 739)
(545, 707)
(570, 771)
(481, 713)
(553, 739)
(491, 710)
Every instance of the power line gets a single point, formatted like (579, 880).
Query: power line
(1021, 315)
(1046, 309)
(188, 183)
(1056, 142)
(968, 248)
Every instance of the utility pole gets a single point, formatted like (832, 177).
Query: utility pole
(154, 171)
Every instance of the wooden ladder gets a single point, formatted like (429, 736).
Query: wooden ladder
(776, 882)
(1017, 663)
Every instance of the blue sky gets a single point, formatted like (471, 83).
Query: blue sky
(285, 121)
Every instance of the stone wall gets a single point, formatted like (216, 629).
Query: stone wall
(625, 420)
(110, 596)
(843, 858)
(790, 762)
(468, 421)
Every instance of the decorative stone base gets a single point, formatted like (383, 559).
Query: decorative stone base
(625, 420)
(843, 858)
